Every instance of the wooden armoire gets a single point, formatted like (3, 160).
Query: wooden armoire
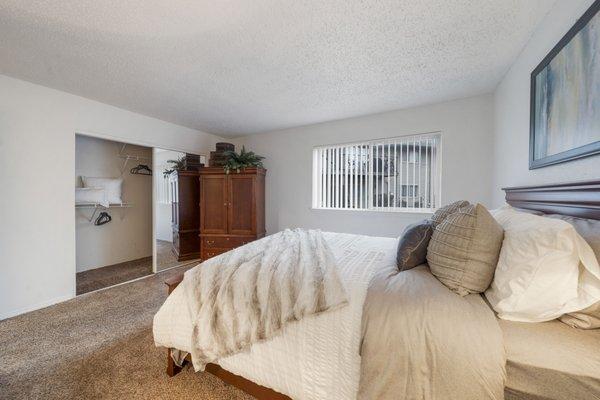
(232, 209)
(185, 218)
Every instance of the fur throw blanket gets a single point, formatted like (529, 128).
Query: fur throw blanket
(250, 293)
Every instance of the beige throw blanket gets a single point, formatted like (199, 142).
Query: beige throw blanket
(249, 294)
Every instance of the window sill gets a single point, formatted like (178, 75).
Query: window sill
(374, 210)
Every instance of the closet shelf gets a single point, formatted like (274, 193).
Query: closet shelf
(98, 206)
(112, 205)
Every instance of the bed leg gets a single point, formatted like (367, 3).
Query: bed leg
(172, 368)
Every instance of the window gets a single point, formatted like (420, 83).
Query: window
(395, 174)
(412, 156)
(410, 190)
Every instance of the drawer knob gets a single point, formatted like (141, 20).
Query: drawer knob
(209, 242)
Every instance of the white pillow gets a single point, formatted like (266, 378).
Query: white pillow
(91, 195)
(545, 269)
(112, 186)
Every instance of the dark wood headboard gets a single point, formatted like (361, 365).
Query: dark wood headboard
(578, 199)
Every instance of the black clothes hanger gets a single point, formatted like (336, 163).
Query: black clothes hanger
(141, 169)
(103, 218)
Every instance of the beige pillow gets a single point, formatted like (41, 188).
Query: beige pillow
(442, 213)
(464, 248)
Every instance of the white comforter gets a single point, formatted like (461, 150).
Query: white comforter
(252, 293)
(310, 360)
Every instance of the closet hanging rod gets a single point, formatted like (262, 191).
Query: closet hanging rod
(122, 154)
(132, 157)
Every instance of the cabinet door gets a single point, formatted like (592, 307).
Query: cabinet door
(242, 207)
(188, 198)
(213, 204)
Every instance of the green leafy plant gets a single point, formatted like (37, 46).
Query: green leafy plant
(245, 159)
(177, 165)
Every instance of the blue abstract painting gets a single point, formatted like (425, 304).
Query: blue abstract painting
(567, 96)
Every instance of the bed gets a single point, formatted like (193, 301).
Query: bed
(315, 361)
(565, 366)
(551, 360)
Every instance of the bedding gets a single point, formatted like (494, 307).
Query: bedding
(251, 293)
(545, 269)
(443, 212)
(319, 356)
(588, 318)
(314, 358)
(551, 361)
(589, 229)
(412, 245)
(464, 248)
(422, 341)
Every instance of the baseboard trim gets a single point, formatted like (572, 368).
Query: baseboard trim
(56, 300)
(35, 307)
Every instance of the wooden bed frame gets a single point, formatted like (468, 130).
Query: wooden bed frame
(578, 199)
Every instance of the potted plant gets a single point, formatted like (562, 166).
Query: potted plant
(177, 165)
(245, 159)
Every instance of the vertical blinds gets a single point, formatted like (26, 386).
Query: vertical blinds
(395, 174)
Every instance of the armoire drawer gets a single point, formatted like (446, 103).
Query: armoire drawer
(210, 253)
(213, 242)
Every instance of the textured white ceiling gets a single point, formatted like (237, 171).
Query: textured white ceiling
(237, 67)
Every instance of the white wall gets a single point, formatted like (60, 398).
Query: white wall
(164, 230)
(466, 127)
(37, 161)
(511, 113)
(129, 235)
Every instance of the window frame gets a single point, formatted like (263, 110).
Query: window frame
(436, 177)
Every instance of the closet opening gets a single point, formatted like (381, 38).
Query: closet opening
(113, 212)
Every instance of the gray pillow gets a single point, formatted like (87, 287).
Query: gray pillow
(412, 246)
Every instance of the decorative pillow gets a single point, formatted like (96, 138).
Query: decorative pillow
(589, 229)
(412, 246)
(441, 214)
(546, 269)
(112, 186)
(464, 249)
(91, 195)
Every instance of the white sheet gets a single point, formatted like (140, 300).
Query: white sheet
(310, 360)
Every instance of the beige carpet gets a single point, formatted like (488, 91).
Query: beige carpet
(98, 278)
(165, 258)
(98, 346)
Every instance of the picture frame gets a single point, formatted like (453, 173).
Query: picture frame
(563, 125)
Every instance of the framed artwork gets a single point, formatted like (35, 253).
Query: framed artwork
(565, 96)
